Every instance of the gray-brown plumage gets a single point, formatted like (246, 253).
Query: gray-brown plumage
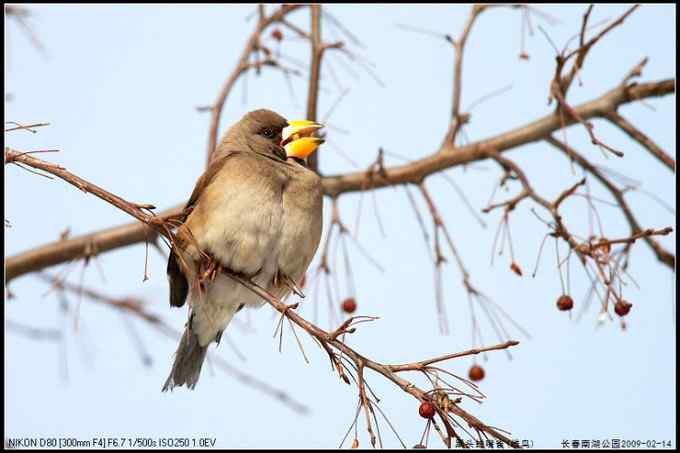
(254, 211)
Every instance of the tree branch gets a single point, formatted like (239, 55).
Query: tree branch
(640, 137)
(459, 45)
(458, 118)
(66, 250)
(316, 50)
(330, 340)
(664, 256)
(242, 66)
(446, 157)
(135, 307)
(134, 209)
(584, 47)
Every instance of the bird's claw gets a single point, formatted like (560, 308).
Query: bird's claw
(210, 272)
(290, 283)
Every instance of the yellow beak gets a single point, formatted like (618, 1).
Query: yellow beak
(298, 138)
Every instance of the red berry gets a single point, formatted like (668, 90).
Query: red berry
(565, 303)
(426, 409)
(277, 34)
(476, 373)
(516, 269)
(349, 305)
(622, 308)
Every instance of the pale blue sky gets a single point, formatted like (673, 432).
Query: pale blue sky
(120, 85)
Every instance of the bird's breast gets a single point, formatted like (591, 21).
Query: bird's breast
(302, 222)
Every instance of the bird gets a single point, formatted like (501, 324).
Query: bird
(256, 211)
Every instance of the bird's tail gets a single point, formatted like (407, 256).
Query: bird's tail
(188, 362)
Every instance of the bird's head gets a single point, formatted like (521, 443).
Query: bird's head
(267, 132)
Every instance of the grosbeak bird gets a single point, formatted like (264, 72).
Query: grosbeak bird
(257, 211)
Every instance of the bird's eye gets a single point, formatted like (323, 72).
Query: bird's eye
(269, 133)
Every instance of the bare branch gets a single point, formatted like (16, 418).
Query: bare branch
(414, 172)
(585, 47)
(316, 50)
(251, 46)
(423, 363)
(448, 156)
(640, 137)
(663, 255)
(329, 343)
(135, 307)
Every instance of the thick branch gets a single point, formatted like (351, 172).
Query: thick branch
(112, 238)
(81, 246)
(448, 156)
(66, 250)
(317, 50)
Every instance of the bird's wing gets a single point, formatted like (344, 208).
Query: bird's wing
(179, 287)
(204, 181)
